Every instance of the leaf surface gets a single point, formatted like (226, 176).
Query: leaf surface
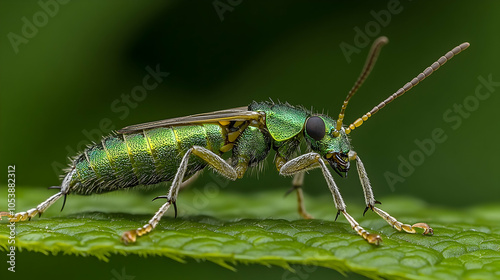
(229, 228)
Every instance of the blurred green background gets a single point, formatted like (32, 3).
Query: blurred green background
(65, 69)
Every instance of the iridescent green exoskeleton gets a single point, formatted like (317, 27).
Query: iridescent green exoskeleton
(176, 149)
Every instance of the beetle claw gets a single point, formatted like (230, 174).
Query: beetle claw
(338, 212)
(366, 209)
(161, 196)
(167, 197)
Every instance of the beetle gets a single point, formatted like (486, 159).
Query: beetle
(176, 149)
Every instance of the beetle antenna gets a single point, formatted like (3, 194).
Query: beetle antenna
(370, 62)
(420, 77)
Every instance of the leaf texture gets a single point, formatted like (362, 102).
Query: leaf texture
(229, 228)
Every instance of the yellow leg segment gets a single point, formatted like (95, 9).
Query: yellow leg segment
(400, 226)
(370, 237)
(131, 235)
(23, 216)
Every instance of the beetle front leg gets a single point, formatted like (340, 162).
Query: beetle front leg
(365, 182)
(370, 201)
(313, 160)
(215, 161)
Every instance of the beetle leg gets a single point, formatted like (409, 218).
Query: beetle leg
(23, 216)
(312, 160)
(215, 161)
(370, 202)
(298, 181)
(301, 163)
(241, 166)
(365, 182)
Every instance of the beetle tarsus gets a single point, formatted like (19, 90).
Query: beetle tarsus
(129, 237)
(427, 229)
(373, 238)
(5, 214)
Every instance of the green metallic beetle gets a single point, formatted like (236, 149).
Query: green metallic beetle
(175, 149)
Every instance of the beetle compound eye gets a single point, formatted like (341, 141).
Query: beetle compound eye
(315, 128)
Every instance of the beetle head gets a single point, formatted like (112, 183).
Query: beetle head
(319, 132)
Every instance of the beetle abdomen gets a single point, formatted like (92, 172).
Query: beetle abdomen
(149, 157)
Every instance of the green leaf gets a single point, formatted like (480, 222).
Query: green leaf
(229, 228)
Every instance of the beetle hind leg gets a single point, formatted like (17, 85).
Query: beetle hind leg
(215, 161)
(27, 215)
(131, 235)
